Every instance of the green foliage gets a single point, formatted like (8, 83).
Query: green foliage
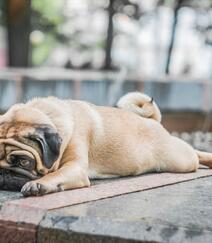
(46, 17)
(41, 51)
(50, 12)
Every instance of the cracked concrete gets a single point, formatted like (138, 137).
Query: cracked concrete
(175, 213)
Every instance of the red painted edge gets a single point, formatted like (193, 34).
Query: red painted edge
(19, 223)
(12, 212)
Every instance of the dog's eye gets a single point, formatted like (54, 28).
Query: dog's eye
(24, 163)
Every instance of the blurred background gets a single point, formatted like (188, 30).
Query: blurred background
(99, 50)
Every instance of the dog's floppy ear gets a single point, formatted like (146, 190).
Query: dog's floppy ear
(49, 142)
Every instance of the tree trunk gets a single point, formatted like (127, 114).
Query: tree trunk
(18, 30)
(173, 35)
(109, 40)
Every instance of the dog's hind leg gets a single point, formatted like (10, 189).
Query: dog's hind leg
(179, 157)
(204, 158)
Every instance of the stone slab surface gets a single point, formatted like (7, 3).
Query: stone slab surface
(6, 196)
(105, 190)
(175, 213)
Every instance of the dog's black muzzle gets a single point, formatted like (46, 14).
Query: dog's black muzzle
(20, 171)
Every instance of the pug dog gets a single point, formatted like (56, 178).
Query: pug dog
(62, 144)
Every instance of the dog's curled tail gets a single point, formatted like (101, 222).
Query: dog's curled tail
(140, 104)
(204, 158)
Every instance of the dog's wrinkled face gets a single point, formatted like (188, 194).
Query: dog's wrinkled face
(27, 145)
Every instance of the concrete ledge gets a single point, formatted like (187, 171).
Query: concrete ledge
(29, 219)
(55, 229)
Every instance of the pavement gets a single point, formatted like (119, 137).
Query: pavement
(150, 208)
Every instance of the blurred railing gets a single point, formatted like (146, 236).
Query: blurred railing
(178, 94)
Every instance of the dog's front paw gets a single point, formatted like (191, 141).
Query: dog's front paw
(34, 188)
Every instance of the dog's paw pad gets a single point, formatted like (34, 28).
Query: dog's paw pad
(33, 189)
